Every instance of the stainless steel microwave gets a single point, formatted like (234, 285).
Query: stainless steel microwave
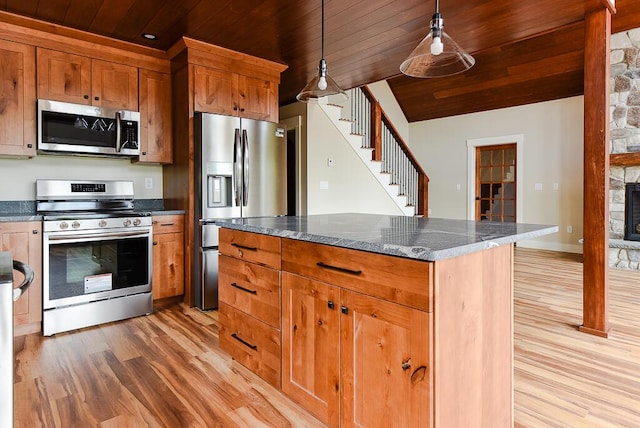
(87, 130)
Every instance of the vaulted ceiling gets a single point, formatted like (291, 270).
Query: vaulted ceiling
(526, 50)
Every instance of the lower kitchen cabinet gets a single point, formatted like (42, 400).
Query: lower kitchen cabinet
(249, 296)
(354, 358)
(168, 256)
(24, 241)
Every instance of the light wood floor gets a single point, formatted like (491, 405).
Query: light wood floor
(165, 370)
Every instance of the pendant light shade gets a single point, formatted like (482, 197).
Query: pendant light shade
(437, 54)
(322, 84)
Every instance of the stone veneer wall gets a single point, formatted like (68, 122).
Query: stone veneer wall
(625, 138)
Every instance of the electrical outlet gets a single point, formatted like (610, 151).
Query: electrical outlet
(458, 187)
(324, 185)
(556, 186)
(569, 229)
(329, 162)
(148, 183)
(538, 186)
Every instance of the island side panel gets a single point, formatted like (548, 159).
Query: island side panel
(473, 340)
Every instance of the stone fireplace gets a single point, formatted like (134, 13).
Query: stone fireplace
(625, 143)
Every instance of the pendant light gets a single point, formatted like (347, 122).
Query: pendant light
(322, 84)
(437, 54)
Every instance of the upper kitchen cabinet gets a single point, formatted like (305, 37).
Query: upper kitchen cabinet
(79, 79)
(17, 99)
(156, 141)
(227, 82)
(222, 92)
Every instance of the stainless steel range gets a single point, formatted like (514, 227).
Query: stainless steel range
(96, 254)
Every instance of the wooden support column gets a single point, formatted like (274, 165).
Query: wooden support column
(596, 172)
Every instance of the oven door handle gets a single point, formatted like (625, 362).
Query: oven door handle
(97, 236)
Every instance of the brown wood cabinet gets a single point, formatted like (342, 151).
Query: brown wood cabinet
(79, 79)
(223, 92)
(168, 256)
(24, 241)
(343, 351)
(17, 99)
(156, 139)
(249, 295)
(378, 340)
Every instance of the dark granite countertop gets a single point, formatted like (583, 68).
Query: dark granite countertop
(411, 237)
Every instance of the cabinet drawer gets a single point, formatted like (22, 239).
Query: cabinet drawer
(168, 223)
(251, 247)
(252, 343)
(251, 288)
(396, 279)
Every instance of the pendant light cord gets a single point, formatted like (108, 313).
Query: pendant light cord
(323, 29)
(437, 6)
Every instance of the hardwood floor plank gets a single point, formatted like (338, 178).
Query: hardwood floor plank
(166, 370)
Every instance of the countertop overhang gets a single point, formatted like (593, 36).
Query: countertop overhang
(419, 238)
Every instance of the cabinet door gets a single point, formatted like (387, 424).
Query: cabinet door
(64, 77)
(168, 265)
(215, 91)
(310, 345)
(23, 240)
(385, 365)
(257, 99)
(114, 85)
(17, 99)
(155, 117)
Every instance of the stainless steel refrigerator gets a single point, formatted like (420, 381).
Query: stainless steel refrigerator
(241, 172)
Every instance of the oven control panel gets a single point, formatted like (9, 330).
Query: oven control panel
(96, 224)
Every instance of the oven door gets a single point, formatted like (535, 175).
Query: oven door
(84, 266)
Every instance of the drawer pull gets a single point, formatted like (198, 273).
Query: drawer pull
(339, 269)
(239, 287)
(167, 224)
(244, 247)
(244, 342)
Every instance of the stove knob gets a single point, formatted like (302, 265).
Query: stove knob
(64, 225)
(102, 223)
(126, 223)
(75, 224)
(137, 222)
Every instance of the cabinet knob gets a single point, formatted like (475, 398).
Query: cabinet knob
(344, 310)
(235, 108)
(86, 97)
(241, 109)
(155, 243)
(29, 146)
(331, 305)
(97, 98)
(144, 153)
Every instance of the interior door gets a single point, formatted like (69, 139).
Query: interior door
(496, 179)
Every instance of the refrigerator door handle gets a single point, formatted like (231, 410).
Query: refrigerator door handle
(245, 175)
(237, 168)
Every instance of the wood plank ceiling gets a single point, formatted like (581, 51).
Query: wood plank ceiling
(526, 50)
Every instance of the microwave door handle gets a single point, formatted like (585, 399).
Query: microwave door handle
(237, 168)
(118, 132)
(245, 173)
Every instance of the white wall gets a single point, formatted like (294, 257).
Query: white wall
(552, 153)
(18, 176)
(351, 187)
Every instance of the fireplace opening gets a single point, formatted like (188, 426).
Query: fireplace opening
(632, 212)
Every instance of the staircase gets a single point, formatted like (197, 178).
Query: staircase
(372, 136)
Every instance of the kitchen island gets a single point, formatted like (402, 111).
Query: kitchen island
(375, 320)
